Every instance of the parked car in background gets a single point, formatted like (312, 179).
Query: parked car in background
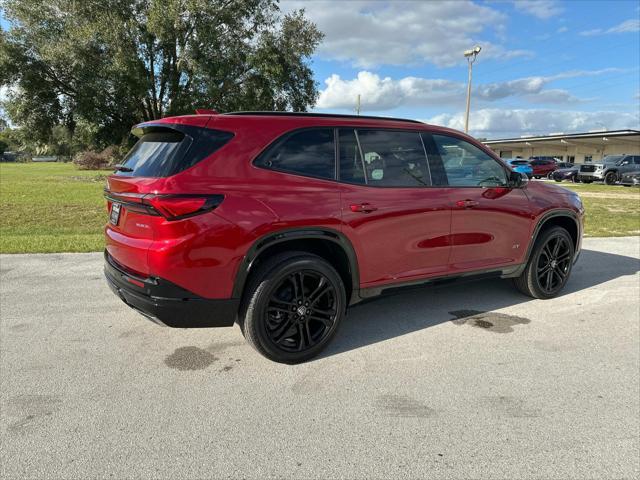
(610, 169)
(542, 168)
(520, 165)
(553, 159)
(279, 221)
(631, 179)
(566, 173)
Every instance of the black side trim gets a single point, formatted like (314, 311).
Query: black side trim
(166, 303)
(297, 234)
(502, 272)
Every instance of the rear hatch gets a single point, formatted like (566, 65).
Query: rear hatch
(136, 203)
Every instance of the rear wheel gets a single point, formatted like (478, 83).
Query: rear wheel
(293, 306)
(549, 265)
(611, 178)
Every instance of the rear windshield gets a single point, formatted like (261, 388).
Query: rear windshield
(165, 152)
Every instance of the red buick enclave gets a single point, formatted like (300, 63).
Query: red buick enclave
(279, 221)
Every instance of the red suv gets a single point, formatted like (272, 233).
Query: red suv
(542, 167)
(279, 221)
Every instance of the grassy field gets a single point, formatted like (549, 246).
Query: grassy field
(52, 207)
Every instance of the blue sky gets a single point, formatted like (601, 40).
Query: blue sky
(545, 65)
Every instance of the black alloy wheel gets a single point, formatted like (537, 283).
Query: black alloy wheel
(292, 307)
(300, 311)
(611, 178)
(549, 265)
(554, 263)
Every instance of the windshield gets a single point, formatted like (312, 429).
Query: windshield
(612, 159)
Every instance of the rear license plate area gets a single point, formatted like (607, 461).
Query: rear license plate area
(114, 215)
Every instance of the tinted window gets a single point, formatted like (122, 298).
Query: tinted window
(465, 165)
(164, 152)
(393, 158)
(636, 160)
(309, 152)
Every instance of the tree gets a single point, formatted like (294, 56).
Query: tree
(114, 63)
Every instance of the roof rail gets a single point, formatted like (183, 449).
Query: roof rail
(322, 115)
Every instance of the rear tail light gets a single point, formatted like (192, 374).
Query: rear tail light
(172, 207)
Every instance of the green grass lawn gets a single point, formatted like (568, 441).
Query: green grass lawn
(52, 207)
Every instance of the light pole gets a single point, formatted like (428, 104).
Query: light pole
(471, 57)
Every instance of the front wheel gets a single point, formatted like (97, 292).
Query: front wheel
(611, 178)
(549, 265)
(292, 307)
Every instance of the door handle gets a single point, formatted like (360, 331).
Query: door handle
(466, 203)
(363, 208)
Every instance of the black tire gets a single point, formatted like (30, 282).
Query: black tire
(626, 185)
(558, 180)
(296, 336)
(611, 178)
(547, 271)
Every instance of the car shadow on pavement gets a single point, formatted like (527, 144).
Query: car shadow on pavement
(416, 309)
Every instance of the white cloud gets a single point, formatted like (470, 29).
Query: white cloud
(502, 123)
(379, 93)
(539, 8)
(384, 93)
(372, 33)
(631, 25)
(562, 30)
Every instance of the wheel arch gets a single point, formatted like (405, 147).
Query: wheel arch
(567, 219)
(327, 243)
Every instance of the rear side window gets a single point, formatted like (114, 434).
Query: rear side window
(389, 159)
(307, 152)
(162, 152)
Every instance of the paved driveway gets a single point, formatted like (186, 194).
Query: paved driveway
(472, 380)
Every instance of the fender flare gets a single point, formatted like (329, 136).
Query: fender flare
(302, 233)
(560, 212)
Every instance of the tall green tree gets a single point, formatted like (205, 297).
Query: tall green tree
(117, 62)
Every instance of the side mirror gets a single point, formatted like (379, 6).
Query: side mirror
(517, 180)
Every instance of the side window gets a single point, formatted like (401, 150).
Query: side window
(309, 152)
(393, 158)
(465, 165)
(636, 160)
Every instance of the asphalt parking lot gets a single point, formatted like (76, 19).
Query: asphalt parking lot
(465, 381)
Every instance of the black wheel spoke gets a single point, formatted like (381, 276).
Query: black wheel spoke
(285, 331)
(330, 312)
(326, 321)
(278, 309)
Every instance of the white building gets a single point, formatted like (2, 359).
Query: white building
(573, 147)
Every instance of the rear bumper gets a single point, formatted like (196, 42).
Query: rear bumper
(166, 303)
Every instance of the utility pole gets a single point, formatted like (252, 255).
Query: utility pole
(358, 105)
(471, 57)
